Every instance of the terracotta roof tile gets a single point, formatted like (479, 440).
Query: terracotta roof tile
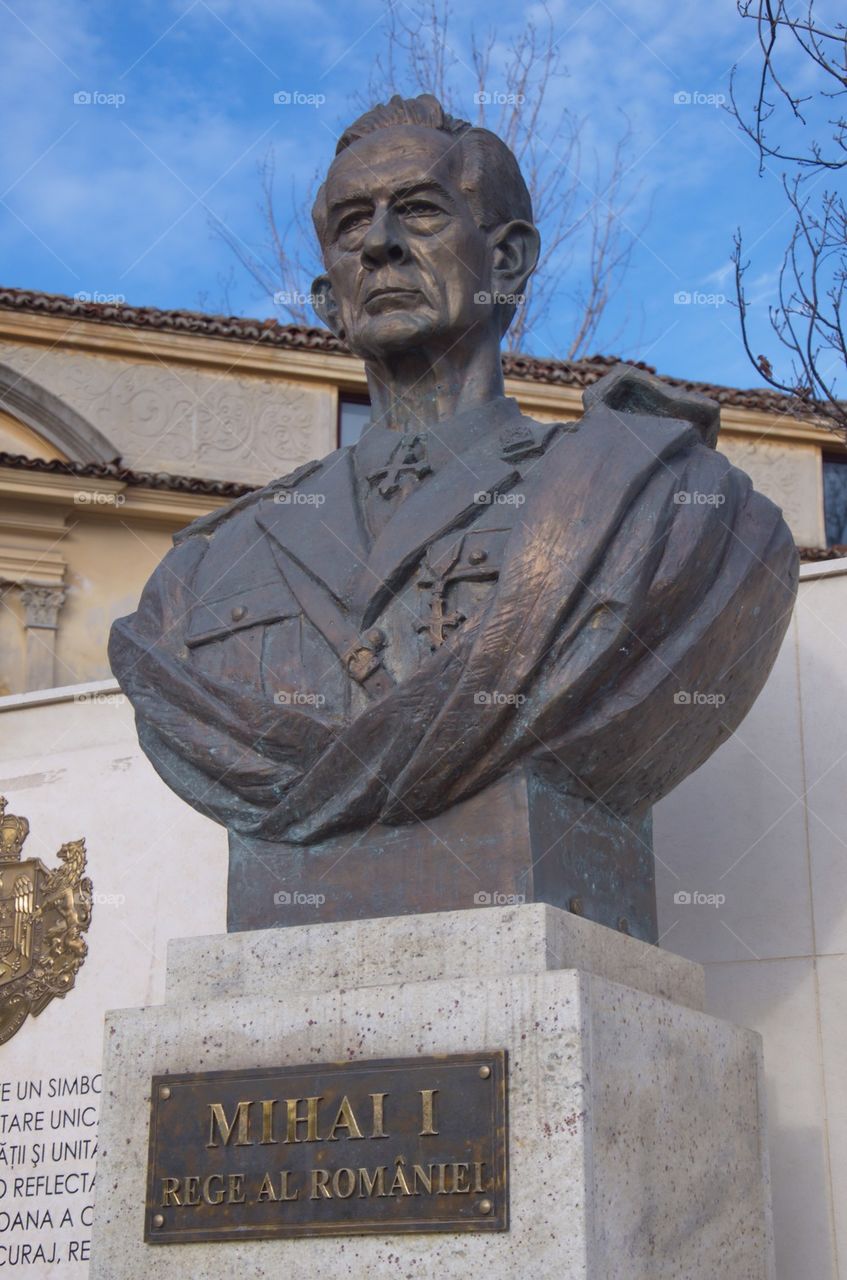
(810, 554)
(114, 471)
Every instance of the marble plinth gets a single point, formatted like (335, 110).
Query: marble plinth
(636, 1138)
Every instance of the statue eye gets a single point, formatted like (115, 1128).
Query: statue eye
(418, 208)
(353, 220)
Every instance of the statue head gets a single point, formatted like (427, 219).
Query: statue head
(425, 224)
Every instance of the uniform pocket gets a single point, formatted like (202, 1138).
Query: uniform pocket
(252, 606)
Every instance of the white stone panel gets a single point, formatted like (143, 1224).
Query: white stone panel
(822, 631)
(778, 999)
(735, 832)
(832, 982)
(73, 767)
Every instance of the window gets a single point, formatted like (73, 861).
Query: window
(835, 500)
(354, 414)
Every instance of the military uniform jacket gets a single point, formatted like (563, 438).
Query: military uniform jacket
(387, 631)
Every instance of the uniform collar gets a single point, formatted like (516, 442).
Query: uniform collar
(444, 442)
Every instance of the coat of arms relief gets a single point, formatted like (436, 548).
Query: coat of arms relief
(43, 914)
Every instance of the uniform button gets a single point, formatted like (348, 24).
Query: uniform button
(478, 556)
(375, 637)
(238, 613)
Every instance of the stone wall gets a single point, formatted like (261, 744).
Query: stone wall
(789, 474)
(758, 834)
(218, 424)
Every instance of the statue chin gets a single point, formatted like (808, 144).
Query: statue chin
(393, 333)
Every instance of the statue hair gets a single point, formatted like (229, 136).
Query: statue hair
(491, 179)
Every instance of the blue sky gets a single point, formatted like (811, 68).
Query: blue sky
(116, 195)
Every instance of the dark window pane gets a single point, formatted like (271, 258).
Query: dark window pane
(354, 416)
(835, 501)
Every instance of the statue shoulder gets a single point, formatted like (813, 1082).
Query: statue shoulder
(630, 390)
(207, 525)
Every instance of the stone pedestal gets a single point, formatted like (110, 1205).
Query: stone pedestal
(635, 1126)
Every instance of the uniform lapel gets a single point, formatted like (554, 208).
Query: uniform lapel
(319, 523)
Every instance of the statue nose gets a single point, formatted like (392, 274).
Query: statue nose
(383, 243)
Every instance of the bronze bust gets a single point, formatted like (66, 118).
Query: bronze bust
(459, 661)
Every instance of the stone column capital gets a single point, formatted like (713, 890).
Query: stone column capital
(42, 602)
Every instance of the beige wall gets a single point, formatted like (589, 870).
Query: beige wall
(788, 472)
(95, 543)
(17, 438)
(244, 420)
(108, 564)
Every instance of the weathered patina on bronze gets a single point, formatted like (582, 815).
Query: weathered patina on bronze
(352, 1148)
(521, 838)
(355, 668)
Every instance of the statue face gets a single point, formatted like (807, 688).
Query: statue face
(404, 254)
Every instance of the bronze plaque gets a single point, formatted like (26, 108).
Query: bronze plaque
(391, 1145)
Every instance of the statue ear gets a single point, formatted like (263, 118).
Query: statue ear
(325, 306)
(515, 247)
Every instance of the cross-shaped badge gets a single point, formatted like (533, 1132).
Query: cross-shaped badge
(407, 463)
(437, 577)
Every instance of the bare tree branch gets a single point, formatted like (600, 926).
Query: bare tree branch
(288, 260)
(808, 317)
(583, 233)
(776, 25)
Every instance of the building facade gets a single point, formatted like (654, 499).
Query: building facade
(120, 425)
